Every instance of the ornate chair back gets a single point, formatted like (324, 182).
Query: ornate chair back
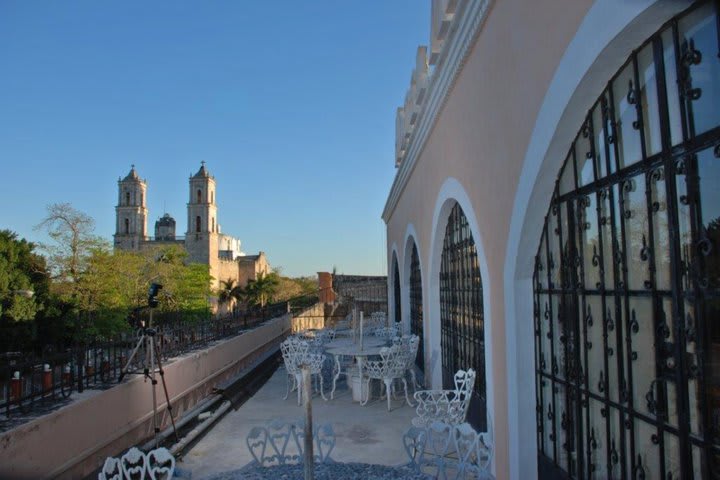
(293, 350)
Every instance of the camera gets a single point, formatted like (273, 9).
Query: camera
(153, 293)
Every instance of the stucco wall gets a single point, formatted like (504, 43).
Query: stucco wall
(73, 441)
(228, 270)
(479, 139)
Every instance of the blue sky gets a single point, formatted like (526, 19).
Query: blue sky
(290, 103)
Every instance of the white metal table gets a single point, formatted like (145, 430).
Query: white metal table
(345, 347)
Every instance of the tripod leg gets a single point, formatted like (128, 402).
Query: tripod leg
(151, 371)
(167, 396)
(124, 369)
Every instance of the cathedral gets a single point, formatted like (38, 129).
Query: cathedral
(203, 239)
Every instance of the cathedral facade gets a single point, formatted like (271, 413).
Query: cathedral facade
(203, 240)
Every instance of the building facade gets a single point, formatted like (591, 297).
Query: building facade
(203, 239)
(553, 224)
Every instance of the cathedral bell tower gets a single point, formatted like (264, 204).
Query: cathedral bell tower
(201, 240)
(131, 213)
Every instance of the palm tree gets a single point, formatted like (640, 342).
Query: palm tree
(262, 289)
(229, 291)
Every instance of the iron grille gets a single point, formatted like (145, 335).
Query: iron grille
(462, 329)
(396, 294)
(416, 304)
(627, 274)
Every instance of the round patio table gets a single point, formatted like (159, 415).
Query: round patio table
(345, 347)
(324, 471)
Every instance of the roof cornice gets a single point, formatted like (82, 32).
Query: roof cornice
(451, 61)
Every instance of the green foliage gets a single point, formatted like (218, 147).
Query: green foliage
(95, 288)
(294, 287)
(262, 290)
(24, 283)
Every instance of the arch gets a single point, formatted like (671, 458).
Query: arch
(213, 224)
(450, 193)
(393, 258)
(212, 197)
(411, 243)
(199, 196)
(127, 226)
(607, 35)
(409, 239)
(197, 224)
(127, 198)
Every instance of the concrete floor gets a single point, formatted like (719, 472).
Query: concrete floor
(368, 434)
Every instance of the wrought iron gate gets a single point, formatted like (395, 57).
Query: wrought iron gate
(462, 329)
(627, 275)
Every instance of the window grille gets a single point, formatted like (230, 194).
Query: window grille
(396, 290)
(416, 304)
(462, 329)
(627, 273)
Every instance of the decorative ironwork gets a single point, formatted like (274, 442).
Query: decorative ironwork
(416, 305)
(462, 332)
(644, 222)
(396, 292)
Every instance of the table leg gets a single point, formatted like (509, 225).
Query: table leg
(367, 393)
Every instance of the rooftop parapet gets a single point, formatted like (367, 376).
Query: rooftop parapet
(444, 14)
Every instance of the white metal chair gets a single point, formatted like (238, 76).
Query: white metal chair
(449, 406)
(449, 451)
(158, 464)
(390, 332)
(409, 344)
(295, 353)
(389, 368)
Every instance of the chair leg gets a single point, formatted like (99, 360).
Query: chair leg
(289, 389)
(298, 380)
(335, 377)
(322, 388)
(407, 399)
(415, 384)
(367, 391)
(388, 384)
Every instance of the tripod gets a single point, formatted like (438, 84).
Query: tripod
(147, 338)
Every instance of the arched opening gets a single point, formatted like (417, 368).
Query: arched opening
(197, 224)
(416, 305)
(127, 226)
(213, 225)
(396, 289)
(212, 197)
(199, 196)
(627, 273)
(462, 329)
(127, 198)
(142, 199)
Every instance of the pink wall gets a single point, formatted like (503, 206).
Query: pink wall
(480, 138)
(73, 441)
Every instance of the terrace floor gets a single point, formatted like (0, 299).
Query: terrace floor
(368, 434)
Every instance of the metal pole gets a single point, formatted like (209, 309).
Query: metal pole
(307, 389)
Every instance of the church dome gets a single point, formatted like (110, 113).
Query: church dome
(203, 172)
(165, 228)
(165, 220)
(132, 176)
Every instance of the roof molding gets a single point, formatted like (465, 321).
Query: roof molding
(468, 18)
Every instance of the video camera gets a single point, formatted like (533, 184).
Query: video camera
(153, 293)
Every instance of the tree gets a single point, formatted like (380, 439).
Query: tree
(229, 292)
(74, 241)
(23, 279)
(262, 290)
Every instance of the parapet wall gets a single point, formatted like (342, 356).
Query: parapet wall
(74, 441)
